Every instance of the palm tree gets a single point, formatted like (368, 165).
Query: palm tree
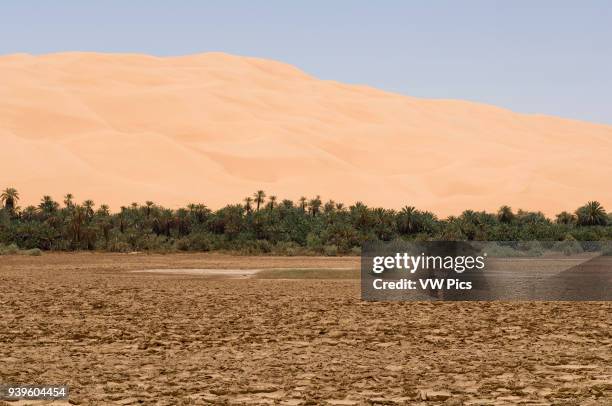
(360, 216)
(122, 219)
(149, 205)
(9, 197)
(68, 200)
(88, 205)
(201, 212)
(303, 203)
(248, 201)
(565, 218)
(505, 214)
(407, 220)
(315, 205)
(260, 197)
(105, 225)
(182, 222)
(329, 207)
(29, 213)
(592, 214)
(167, 221)
(163, 222)
(272, 201)
(531, 217)
(76, 223)
(47, 205)
(104, 210)
(384, 223)
(90, 236)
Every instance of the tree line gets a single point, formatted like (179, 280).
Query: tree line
(263, 224)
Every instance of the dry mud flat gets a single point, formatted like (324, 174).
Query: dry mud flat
(120, 337)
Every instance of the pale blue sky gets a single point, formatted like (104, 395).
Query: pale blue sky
(551, 57)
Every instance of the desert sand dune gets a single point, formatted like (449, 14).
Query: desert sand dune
(212, 128)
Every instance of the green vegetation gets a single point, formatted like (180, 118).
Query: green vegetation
(261, 226)
(14, 249)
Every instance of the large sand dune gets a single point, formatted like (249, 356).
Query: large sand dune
(213, 128)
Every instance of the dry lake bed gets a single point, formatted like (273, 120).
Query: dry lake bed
(140, 329)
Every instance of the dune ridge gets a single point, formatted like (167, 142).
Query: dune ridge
(213, 128)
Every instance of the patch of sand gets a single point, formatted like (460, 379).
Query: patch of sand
(236, 273)
(231, 273)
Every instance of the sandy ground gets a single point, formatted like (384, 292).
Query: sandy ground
(251, 124)
(120, 337)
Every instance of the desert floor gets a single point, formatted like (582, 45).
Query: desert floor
(120, 337)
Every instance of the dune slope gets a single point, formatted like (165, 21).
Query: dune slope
(213, 128)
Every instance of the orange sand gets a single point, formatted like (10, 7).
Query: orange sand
(213, 128)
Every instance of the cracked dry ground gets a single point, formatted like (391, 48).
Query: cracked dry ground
(126, 338)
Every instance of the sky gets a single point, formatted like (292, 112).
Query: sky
(544, 57)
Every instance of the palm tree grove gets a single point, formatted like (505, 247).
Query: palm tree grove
(263, 224)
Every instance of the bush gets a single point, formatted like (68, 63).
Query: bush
(9, 249)
(200, 242)
(34, 252)
(264, 246)
(531, 248)
(330, 250)
(569, 245)
(119, 246)
(522, 249)
(313, 241)
(288, 248)
(182, 244)
(356, 251)
(13, 249)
